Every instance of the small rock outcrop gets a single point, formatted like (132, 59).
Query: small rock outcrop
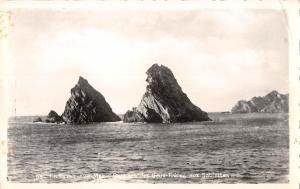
(87, 105)
(133, 116)
(164, 101)
(273, 102)
(53, 117)
(38, 119)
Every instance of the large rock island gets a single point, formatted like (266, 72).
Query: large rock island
(273, 102)
(164, 101)
(87, 105)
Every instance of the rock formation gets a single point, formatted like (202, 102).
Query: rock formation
(273, 102)
(87, 105)
(38, 119)
(53, 117)
(164, 101)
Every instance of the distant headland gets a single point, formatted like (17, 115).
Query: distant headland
(273, 102)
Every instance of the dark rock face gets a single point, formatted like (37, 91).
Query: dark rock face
(273, 102)
(53, 117)
(87, 105)
(164, 101)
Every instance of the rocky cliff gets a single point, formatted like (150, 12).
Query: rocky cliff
(164, 101)
(273, 102)
(87, 105)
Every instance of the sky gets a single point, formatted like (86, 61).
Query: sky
(217, 56)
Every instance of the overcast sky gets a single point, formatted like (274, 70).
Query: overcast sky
(218, 57)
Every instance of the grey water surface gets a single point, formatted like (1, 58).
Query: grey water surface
(233, 148)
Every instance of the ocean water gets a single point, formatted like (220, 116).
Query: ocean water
(233, 148)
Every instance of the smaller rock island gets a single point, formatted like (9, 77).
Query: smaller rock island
(52, 117)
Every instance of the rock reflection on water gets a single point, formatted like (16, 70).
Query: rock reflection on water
(237, 148)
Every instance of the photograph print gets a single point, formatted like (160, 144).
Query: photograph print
(172, 96)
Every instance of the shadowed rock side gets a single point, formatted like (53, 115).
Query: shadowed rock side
(273, 102)
(164, 101)
(87, 105)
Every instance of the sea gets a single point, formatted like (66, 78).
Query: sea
(233, 148)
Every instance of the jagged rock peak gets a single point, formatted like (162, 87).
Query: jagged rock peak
(274, 92)
(82, 81)
(156, 70)
(87, 105)
(161, 77)
(82, 84)
(164, 101)
(273, 102)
